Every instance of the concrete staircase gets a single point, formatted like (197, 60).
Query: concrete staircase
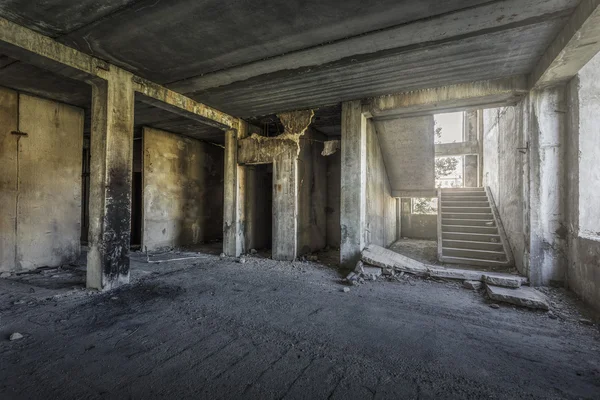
(469, 229)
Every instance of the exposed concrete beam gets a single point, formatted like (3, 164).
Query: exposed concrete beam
(482, 94)
(456, 149)
(574, 46)
(486, 18)
(45, 52)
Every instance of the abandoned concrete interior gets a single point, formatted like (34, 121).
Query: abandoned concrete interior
(317, 199)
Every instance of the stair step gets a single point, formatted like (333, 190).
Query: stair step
(454, 190)
(452, 203)
(457, 228)
(476, 216)
(473, 261)
(469, 221)
(463, 198)
(474, 254)
(474, 245)
(467, 209)
(475, 237)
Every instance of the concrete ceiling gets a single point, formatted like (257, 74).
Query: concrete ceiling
(252, 58)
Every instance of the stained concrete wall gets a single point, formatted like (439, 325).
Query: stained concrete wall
(505, 172)
(417, 226)
(312, 193)
(9, 121)
(583, 183)
(381, 215)
(334, 164)
(182, 191)
(40, 188)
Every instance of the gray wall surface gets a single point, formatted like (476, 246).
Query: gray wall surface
(312, 193)
(334, 165)
(583, 184)
(381, 206)
(505, 172)
(40, 190)
(182, 190)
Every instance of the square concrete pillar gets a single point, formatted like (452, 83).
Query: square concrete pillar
(548, 229)
(353, 183)
(471, 170)
(110, 181)
(285, 205)
(233, 195)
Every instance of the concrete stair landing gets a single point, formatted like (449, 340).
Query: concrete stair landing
(469, 229)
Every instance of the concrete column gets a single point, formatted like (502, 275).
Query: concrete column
(353, 183)
(285, 206)
(110, 180)
(471, 170)
(234, 194)
(547, 186)
(470, 161)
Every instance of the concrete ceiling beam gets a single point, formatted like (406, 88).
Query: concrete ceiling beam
(456, 149)
(575, 45)
(444, 28)
(472, 95)
(44, 52)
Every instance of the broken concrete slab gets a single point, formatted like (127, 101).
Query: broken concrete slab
(473, 285)
(524, 296)
(385, 258)
(502, 280)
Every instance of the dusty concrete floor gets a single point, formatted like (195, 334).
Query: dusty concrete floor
(211, 328)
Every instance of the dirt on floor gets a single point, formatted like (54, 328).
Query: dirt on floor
(214, 328)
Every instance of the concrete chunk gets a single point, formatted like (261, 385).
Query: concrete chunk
(384, 258)
(502, 280)
(474, 285)
(523, 296)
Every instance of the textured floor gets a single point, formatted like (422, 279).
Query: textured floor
(216, 329)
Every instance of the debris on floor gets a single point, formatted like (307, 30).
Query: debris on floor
(378, 256)
(501, 287)
(473, 285)
(524, 296)
(15, 336)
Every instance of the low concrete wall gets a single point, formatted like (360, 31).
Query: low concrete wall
(417, 226)
(182, 190)
(381, 206)
(312, 193)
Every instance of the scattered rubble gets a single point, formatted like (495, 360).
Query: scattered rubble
(495, 306)
(5, 275)
(15, 336)
(253, 251)
(346, 289)
(473, 285)
(242, 260)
